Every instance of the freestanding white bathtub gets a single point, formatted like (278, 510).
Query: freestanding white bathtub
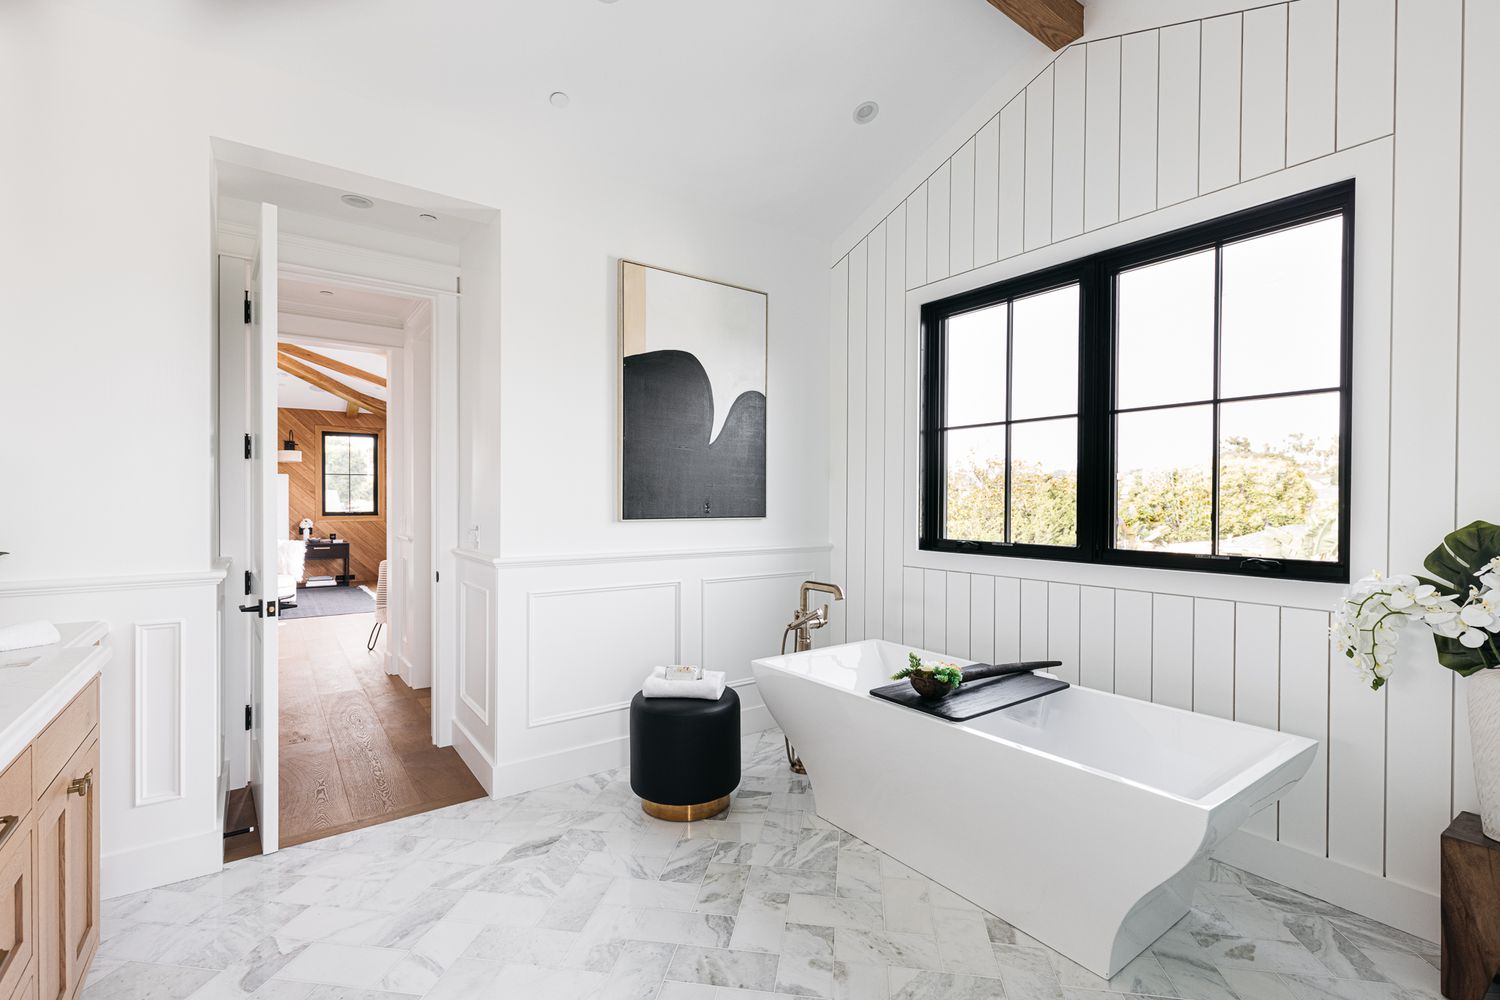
(1077, 817)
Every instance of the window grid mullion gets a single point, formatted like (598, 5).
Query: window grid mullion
(1010, 383)
(1213, 499)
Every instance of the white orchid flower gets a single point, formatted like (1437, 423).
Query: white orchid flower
(1473, 638)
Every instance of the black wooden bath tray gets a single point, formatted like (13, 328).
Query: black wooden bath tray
(975, 698)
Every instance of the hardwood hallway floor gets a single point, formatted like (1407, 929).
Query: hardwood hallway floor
(355, 743)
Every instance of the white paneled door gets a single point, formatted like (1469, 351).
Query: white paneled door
(248, 361)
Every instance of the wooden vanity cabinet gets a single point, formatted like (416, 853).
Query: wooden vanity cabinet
(49, 867)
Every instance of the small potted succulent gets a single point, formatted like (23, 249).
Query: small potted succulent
(931, 680)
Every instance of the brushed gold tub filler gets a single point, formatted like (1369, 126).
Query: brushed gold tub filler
(804, 620)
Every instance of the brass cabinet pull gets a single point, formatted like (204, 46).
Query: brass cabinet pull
(12, 824)
(82, 786)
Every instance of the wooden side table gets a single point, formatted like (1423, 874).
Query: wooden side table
(1471, 909)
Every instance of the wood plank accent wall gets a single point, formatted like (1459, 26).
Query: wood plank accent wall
(1114, 130)
(366, 534)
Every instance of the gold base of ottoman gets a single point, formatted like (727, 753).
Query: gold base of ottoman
(685, 814)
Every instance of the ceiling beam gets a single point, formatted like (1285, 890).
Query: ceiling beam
(324, 361)
(1054, 23)
(329, 384)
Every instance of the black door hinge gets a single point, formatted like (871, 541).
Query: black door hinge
(437, 578)
(248, 449)
(247, 583)
(247, 718)
(247, 307)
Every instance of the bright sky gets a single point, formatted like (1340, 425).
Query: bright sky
(1280, 333)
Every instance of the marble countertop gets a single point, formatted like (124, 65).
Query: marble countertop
(37, 683)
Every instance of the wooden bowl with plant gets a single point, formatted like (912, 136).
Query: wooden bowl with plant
(932, 680)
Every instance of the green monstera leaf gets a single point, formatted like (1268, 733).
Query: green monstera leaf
(1454, 566)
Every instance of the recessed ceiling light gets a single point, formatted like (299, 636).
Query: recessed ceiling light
(558, 99)
(428, 216)
(866, 112)
(356, 201)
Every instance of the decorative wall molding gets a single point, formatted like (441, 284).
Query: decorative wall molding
(708, 581)
(95, 584)
(659, 555)
(486, 658)
(533, 598)
(160, 709)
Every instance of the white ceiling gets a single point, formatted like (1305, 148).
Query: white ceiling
(745, 104)
(329, 300)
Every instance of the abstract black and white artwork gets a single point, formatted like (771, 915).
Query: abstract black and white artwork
(692, 397)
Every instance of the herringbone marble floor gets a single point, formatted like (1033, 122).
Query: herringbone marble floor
(571, 891)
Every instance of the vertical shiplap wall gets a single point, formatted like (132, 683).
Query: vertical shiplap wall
(1114, 129)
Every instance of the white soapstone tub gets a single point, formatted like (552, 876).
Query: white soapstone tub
(1077, 817)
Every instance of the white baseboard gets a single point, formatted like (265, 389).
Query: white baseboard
(1402, 906)
(161, 863)
(514, 777)
(478, 762)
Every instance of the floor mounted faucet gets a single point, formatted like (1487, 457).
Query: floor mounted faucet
(804, 620)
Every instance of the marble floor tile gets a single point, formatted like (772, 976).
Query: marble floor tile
(832, 911)
(341, 965)
(806, 962)
(721, 967)
(572, 891)
(141, 981)
(910, 984)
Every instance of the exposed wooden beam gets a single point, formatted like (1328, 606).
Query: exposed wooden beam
(329, 384)
(323, 361)
(1054, 23)
(352, 409)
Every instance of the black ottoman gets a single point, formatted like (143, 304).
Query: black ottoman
(684, 755)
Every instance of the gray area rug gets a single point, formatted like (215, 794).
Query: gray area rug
(320, 602)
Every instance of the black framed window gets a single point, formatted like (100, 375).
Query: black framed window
(1181, 402)
(351, 473)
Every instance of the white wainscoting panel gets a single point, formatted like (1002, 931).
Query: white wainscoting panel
(1311, 78)
(476, 633)
(572, 639)
(939, 215)
(576, 670)
(1068, 96)
(1101, 162)
(160, 711)
(1096, 638)
(1178, 113)
(740, 612)
(1219, 93)
(987, 193)
(1172, 650)
(1139, 79)
(1012, 176)
(1366, 71)
(1038, 222)
(873, 426)
(1263, 92)
(961, 172)
(957, 597)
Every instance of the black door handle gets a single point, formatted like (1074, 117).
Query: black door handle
(265, 609)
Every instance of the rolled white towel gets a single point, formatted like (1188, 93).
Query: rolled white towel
(27, 634)
(710, 687)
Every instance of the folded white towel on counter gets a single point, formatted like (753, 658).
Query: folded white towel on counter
(27, 634)
(709, 687)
